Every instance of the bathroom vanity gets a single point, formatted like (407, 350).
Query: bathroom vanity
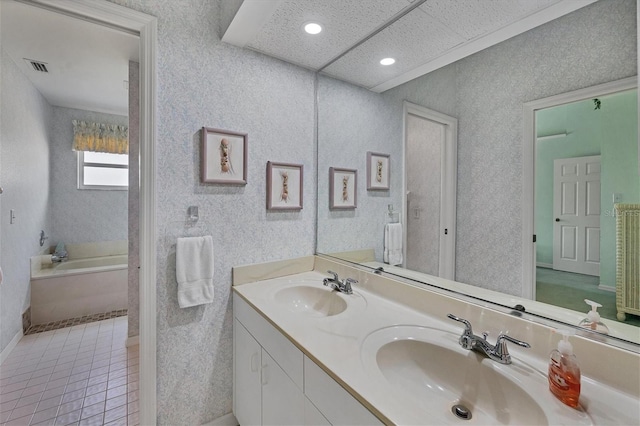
(387, 354)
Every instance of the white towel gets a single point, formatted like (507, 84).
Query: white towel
(393, 244)
(194, 270)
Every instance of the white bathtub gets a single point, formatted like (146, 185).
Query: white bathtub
(78, 287)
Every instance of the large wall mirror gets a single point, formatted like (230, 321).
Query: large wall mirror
(486, 93)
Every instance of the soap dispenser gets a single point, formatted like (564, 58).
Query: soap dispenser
(592, 321)
(564, 372)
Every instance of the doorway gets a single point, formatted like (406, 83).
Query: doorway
(430, 169)
(119, 18)
(586, 141)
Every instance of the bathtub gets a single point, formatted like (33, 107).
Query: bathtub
(77, 287)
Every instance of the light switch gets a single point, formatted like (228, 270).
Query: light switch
(617, 197)
(12, 216)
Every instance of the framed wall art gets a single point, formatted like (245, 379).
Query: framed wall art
(284, 186)
(343, 184)
(378, 172)
(224, 156)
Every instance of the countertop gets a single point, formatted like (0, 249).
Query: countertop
(336, 344)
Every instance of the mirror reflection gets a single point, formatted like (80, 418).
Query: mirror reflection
(485, 93)
(590, 146)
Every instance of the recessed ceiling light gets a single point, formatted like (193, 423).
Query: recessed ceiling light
(387, 61)
(312, 28)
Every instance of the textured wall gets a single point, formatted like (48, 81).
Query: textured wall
(352, 121)
(87, 215)
(202, 82)
(133, 273)
(24, 173)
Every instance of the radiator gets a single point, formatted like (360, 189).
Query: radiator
(627, 259)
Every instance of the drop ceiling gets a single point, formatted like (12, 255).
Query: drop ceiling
(422, 35)
(88, 64)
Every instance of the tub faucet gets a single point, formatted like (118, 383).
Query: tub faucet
(57, 258)
(497, 352)
(343, 286)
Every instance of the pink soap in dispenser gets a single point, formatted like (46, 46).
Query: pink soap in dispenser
(564, 372)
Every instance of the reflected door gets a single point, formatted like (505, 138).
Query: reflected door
(576, 206)
(424, 151)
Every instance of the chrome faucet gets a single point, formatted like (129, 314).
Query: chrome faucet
(343, 286)
(57, 258)
(498, 353)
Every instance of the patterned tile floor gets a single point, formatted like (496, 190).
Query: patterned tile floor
(55, 325)
(79, 375)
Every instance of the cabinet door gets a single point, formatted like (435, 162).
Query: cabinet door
(246, 376)
(312, 416)
(332, 400)
(282, 400)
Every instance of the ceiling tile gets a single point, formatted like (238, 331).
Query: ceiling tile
(472, 18)
(345, 23)
(413, 40)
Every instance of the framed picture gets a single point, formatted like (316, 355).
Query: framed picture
(224, 156)
(342, 188)
(284, 186)
(378, 171)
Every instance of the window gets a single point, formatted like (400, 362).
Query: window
(101, 170)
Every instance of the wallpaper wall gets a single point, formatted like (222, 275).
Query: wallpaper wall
(87, 215)
(24, 173)
(352, 121)
(133, 273)
(202, 82)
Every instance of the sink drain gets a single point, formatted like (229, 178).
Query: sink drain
(461, 411)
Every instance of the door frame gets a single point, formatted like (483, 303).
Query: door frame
(449, 164)
(145, 26)
(528, 167)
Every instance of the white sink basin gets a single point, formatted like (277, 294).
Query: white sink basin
(427, 368)
(314, 301)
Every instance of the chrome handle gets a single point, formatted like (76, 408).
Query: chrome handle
(503, 337)
(335, 276)
(466, 323)
(351, 281)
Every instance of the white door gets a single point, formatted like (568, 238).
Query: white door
(576, 208)
(430, 191)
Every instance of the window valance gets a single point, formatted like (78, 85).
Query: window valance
(99, 137)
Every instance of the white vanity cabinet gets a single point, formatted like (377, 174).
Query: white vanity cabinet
(274, 383)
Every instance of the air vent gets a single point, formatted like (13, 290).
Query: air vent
(38, 66)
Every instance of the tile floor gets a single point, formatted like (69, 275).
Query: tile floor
(80, 375)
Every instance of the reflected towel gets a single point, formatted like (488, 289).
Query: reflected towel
(393, 244)
(194, 270)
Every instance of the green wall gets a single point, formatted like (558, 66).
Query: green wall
(611, 132)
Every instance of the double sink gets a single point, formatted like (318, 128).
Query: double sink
(419, 372)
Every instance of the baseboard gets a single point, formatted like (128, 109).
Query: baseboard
(607, 288)
(226, 420)
(12, 344)
(544, 265)
(132, 341)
